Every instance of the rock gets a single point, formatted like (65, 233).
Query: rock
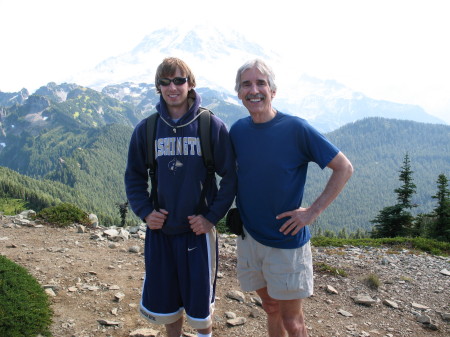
(237, 321)
(390, 303)
(119, 296)
(445, 272)
(419, 306)
(256, 300)
(445, 316)
(50, 292)
(134, 249)
(145, 333)
(345, 313)
(331, 290)
(364, 300)
(423, 319)
(109, 233)
(236, 295)
(108, 323)
(254, 313)
(93, 220)
(230, 315)
(28, 214)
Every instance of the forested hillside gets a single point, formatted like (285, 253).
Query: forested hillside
(73, 141)
(376, 147)
(90, 177)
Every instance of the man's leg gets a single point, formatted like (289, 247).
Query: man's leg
(284, 317)
(205, 332)
(271, 306)
(174, 329)
(291, 312)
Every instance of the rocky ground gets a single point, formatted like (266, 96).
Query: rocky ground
(94, 281)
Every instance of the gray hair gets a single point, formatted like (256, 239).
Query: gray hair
(262, 67)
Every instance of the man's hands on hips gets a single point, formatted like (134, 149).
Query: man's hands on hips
(299, 218)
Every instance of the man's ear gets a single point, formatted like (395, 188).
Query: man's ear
(274, 92)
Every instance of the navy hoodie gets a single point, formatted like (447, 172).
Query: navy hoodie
(180, 169)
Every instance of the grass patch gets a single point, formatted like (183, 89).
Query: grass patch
(420, 244)
(372, 281)
(11, 206)
(24, 306)
(325, 268)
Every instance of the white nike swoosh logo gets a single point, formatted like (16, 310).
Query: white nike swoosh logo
(190, 249)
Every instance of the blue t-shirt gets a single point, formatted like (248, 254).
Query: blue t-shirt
(272, 162)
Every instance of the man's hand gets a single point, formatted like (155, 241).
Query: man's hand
(299, 218)
(342, 171)
(199, 224)
(155, 220)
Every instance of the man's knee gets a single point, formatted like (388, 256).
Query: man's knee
(271, 306)
(292, 324)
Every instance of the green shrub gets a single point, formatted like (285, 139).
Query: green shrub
(24, 305)
(222, 227)
(63, 214)
(373, 281)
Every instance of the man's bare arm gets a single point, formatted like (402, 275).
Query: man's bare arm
(342, 171)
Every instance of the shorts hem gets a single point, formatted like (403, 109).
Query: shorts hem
(290, 296)
(161, 318)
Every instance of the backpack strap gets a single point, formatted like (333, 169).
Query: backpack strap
(204, 125)
(151, 158)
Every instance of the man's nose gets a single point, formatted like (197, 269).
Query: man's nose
(253, 88)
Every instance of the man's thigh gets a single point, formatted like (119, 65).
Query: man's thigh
(289, 273)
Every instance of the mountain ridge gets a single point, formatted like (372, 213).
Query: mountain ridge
(83, 141)
(326, 113)
(215, 55)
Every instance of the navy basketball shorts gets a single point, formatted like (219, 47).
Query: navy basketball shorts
(180, 276)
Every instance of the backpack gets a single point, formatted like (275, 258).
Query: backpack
(204, 125)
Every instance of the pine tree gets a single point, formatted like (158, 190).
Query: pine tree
(342, 234)
(394, 220)
(406, 191)
(441, 228)
(123, 210)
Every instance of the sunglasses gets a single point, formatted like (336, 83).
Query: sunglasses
(177, 81)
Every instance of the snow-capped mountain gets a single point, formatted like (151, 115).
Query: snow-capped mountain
(215, 55)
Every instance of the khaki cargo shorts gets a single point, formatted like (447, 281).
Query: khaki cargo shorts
(287, 273)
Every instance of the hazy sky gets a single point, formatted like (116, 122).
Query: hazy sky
(387, 49)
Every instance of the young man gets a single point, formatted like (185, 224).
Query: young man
(180, 245)
(273, 150)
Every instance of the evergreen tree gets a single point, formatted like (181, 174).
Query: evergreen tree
(423, 224)
(342, 234)
(394, 220)
(441, 227)
(123, 210)
(329, 234)
(406, 191)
